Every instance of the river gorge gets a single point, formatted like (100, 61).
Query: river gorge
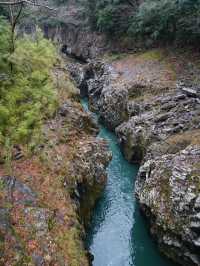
(118, 234)
(99, 133)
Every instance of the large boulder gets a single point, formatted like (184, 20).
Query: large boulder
(154, 119)
(89, 168)
(113, 106)
(168, 189)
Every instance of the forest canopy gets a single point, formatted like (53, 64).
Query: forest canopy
(168, 20)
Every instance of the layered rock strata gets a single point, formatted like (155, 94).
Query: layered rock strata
(158, 126)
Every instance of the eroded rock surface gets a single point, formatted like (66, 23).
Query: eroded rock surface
(168, 189)
(89, 166)
(155, 119)
(155, 111)
(108, 99)
(68, 26)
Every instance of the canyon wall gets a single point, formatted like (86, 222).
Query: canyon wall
(154, 109)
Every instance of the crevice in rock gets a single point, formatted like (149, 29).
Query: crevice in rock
(67, 51)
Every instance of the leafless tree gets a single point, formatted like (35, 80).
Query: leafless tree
(15, 8)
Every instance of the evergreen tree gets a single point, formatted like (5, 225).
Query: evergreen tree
(155, 20)
(27, 96)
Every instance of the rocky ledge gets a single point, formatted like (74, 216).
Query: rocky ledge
(157, 121)
(46, 197)
(95, 81)
(168, 189)
(156, 118)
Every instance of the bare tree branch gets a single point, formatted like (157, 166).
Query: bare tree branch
(14, 3)
(134, 3)
(18, 15)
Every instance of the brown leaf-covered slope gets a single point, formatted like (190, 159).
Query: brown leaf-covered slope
(41, 195)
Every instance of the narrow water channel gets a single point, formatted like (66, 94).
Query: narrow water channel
(118, 235)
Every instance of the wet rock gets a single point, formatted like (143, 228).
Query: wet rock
(17, 192)
(78, 118)
(109, 101)
(90, 79)
(157, 123)
(89, 166)
(81, 74)
(113, 106)
(168, 191)
(193, 92)
(150, 126)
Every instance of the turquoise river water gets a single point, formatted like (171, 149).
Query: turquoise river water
(118, 235)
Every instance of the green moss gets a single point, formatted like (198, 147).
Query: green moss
(1, 245)
(51, 223)
(152, 55)
(24, 261)
(2, 185)
(71, 241)
(111, 57)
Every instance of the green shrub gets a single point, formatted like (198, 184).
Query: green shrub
(28, 96)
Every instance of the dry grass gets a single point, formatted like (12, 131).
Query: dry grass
(187, 138)
(151, 69)
(156, 54)
(157, 69)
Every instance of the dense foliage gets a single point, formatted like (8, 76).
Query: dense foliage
(26, 92)
(167, 20)
(111, 16)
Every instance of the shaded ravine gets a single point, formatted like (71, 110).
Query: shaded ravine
(118, 235)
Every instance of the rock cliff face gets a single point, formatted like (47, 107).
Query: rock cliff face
(157, 121)
(168, 189)
(77, 40)
(68, 27)
(95, 80)
(45, 198)
(157, 118)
